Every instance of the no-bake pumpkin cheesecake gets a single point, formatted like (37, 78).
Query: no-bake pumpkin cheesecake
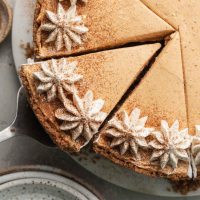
(154, 128)
(73, 96)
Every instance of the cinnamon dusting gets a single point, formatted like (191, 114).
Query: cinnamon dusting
(28, 50)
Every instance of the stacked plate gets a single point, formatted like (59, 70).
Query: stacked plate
(40, 185)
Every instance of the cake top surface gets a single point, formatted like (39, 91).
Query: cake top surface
(76, 94)
(127, 21)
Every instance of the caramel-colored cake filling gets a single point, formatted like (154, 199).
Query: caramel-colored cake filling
(179, 15)
(110, 24)
(184, 16)
(92, 72)
(158, 99)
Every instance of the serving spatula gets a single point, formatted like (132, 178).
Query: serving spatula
(25, 123)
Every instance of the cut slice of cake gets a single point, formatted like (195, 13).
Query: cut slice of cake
(157, 146)
(179, 15)
(172, 14)
(61, 29)
(190, 41)
(72, 97)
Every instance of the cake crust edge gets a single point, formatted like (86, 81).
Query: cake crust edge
(64, 144)
(112, 156)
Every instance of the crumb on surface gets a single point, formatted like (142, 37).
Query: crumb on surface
(28, 50)
(183, 187)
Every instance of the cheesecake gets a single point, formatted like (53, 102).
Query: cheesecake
(184, 17)
(123, 76)
(73, 96)
(139, 143)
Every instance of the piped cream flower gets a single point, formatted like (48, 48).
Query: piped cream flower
(170, 145)
(57, 76)
(128, 132)
(66, 28)
(81, 117)
(196, 146)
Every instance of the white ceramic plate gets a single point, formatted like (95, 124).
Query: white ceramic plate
(126, 178)
(32, 185)
(21, 34)
(22, 29)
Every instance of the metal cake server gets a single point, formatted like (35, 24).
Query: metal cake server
(25, 123)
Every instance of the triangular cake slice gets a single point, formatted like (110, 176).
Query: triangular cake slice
(186, 23)
(72, 96)
(157, 146)
(106, 24)
(189, 27)
(172, 14)
(190, 40)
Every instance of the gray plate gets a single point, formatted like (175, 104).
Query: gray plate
(31, 185)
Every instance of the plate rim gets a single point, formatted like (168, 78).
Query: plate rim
(44, 172)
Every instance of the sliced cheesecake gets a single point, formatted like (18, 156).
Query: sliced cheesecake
(157, 145)
(61, 29)
(184, 16)
(72, 96)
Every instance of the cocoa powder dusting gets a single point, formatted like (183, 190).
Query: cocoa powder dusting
(28, 50)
